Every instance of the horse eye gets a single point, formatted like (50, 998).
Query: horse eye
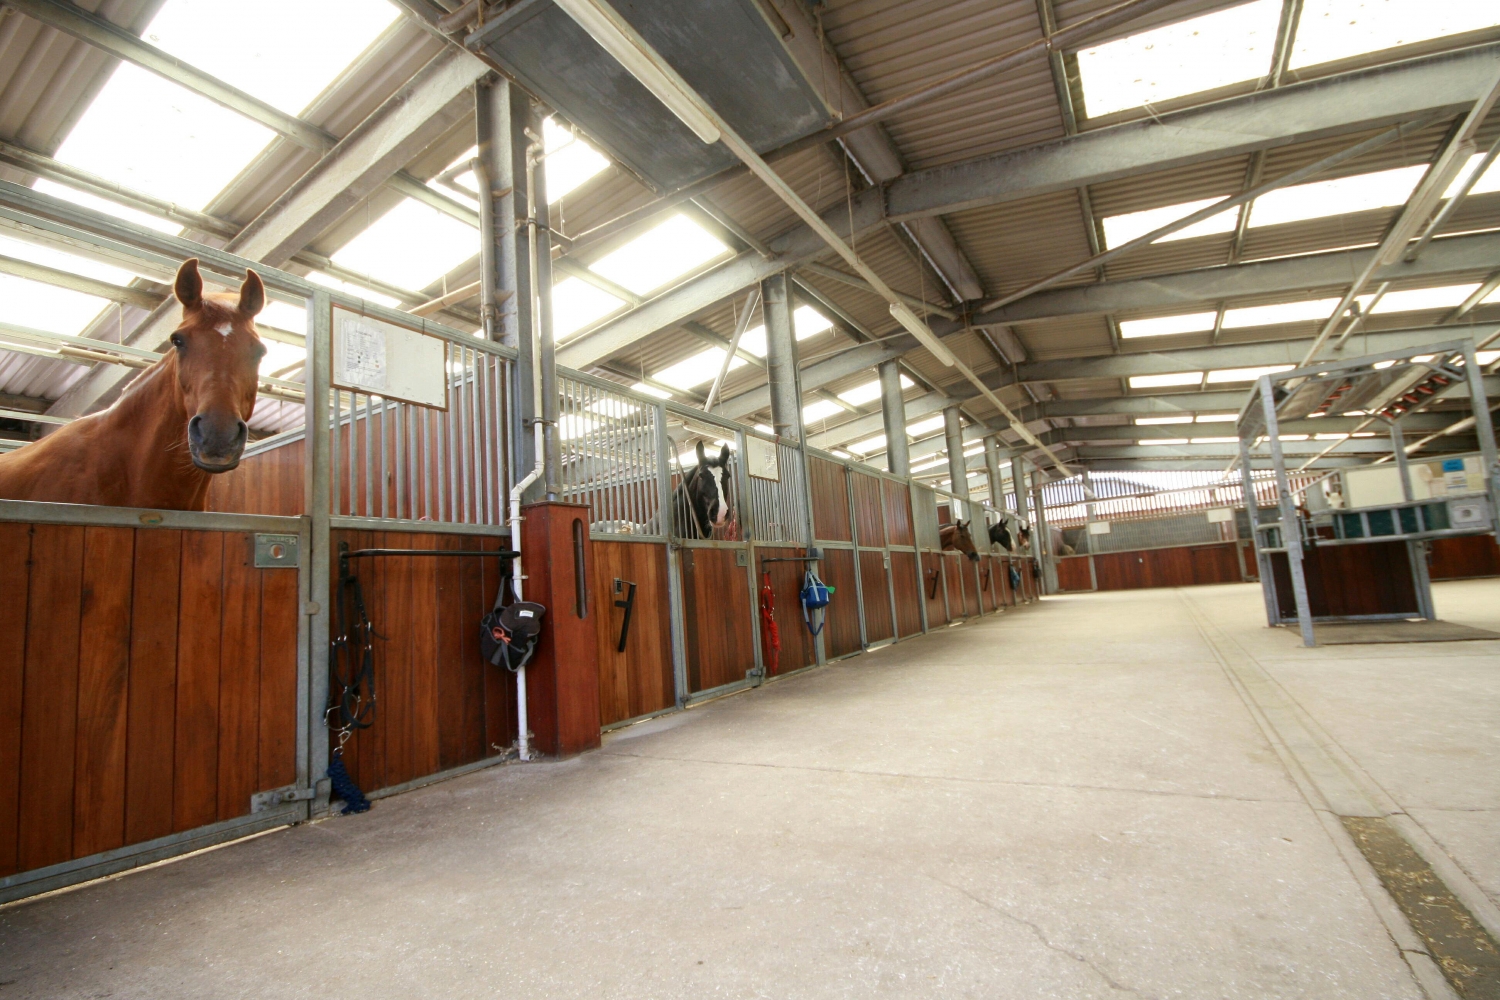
(179, 341)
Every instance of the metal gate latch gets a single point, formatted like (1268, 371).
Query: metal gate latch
(261, 801)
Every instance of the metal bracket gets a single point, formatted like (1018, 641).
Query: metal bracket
(276, 551)
(261, 801)
(741, 557)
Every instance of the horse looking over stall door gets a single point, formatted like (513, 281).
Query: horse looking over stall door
(956, 537)
(182, 421)
(703, 500)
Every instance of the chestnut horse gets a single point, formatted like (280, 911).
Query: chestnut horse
(181, 422)
(956, 537)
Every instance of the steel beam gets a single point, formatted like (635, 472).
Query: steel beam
(1224, 452)
(1146, 432)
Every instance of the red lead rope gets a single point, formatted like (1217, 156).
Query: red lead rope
(768, 624)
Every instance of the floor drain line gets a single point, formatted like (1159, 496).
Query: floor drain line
(1459, 945)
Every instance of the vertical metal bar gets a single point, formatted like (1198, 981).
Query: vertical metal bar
(385, 447)
(1479, 406)
(859, 589)
(333, 456)
(1398, 446)
(368, 451)
(313, 612)
(450, 439)
(1416, 552)
(674, 569)
(1291, 537)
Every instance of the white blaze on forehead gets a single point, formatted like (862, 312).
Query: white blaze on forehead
(720, 509)
(225, 328)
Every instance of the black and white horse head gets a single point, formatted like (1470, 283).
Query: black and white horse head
(1000, 535)
(704, 500)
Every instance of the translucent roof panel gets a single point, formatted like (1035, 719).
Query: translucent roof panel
(1163, 420)
(925, 426)
(696, 370)
(820, 410)
(1188, 57)
(107, 207)
(1338, 29)
(411, 246)
(1280, 312)
(327, 281)
(1320, 199)
(865, 447)
(869, 392)
(1163, 381)
(1413, 299)
(576, 304)
(806, 322)
(50, 257)
(651, 390)
(1120, 229)
(1488, 184)
(1245, 374)
(46, 307)
(284, 52)
(668, 251)
(1162, 326)
(570, 161)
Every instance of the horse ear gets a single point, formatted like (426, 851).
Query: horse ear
(189, 286)
(252, 294)
(701, 459)
(724, 456)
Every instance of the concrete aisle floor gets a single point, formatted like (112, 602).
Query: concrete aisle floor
(1069, 800)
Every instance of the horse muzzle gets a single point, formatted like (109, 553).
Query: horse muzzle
(216, 445)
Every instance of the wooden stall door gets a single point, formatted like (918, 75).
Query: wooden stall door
(907, 583)
(953, 574)
(148, 685)
(1073, 574)
(1002, 581)
(1369, 579)
(798, 649)
(269, 482)
(989, 587)
(932, 588)
(898, 523)
(841, 637)
(869, 522)
(830, 500)
(1464, 558)
(638, 680)
(717, 607)
(876, 597)
(973, 602)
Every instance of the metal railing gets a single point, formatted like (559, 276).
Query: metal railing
(611, 455)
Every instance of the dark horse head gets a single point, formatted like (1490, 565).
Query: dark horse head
(1000, 535)
(956, 537)
(706, 496)
(216, 352)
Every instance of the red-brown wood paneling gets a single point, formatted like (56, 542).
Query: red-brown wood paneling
(953, 576)
(989, 585)
(877, 600)
(869, 523)
(1252, 568)
(970, 572)
(103, 679)
(932, 589)
(1003, 588)
(637, 681)
(717, 626)
(830, 499)
(562, 681)
(149, 758)
(1073, 574)
(1464, 558)
(841, 635)
(798, 649)
(907, 583)
(15, 583)
(1368, 579)
(195, 798)
(1183, 566)
(898, 529)
(269, 482)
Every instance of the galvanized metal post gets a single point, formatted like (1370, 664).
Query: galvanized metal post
(318, 503)
(1252, 513)
(916, 539)
(859, 583)
(958, 473)
(677, 614)
(1046, 558)
(521, 117)
(1484, 426)
(893, 409)
(497, 214)
(1018, 485)
(1398, 447)
(1291, 536)
(546, 346)
(1089, 511)
(781, 358)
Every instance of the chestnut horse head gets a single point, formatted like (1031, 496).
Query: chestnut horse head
(956, 537)
(215, 358)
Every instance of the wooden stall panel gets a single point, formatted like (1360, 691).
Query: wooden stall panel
(841, 636)
(637, 680)
(1464, 558)
(148, 685)
(877, 597)
(953, 576)
(1003, 589)
(932, 589)
(898, 529)
(869, 523)
(1369, 579)
(830, 499)
(989, 584)
(269, 482)
(907, 583)
(1073, 574)
(717, 606)
(969, 570)
(1184, 566)
(798, 649)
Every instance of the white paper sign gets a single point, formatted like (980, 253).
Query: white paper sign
(387, 360)
(1218, 515)
(1098, 527)
(760, 459)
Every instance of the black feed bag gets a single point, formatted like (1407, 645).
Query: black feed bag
(507, 636)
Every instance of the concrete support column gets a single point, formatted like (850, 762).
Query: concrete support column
(958, 474)
(781, 357)
(1018, 485)
(511, 116)
(1042, 538)
(992, 472)
(893, 409)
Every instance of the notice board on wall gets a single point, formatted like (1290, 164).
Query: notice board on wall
(387, 360)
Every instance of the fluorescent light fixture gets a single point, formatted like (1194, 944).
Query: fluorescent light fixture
(1161, 441)
(1337, 29)
(576, 304)
(876, 443)
(1165, 381)
(651, 390)
(869, 392)
(1162, 326)
(1340, 196)
(1217, 418)
(927, 426)
(667, 251)
(694, 371)
(820, 410)
(1163, 420)
(918, 329)
(1414, 299)
(1280, 312)
(410, 246)
(1292, 437)
(1246, 374)
(1120, 229)
(1188, 57)
(614, 35)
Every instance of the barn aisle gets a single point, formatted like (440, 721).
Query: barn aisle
(1072, 799)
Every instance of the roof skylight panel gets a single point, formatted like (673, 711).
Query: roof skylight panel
(868, 445)
(806, 322)
(1414, 299)
(1340, 196)
(576, 304)
(358, 291)
(1120, 229)
(41, 306)
(925, 426)
(1163, 326)
(1246, 374)
(696, 370)
(667, 251)
(651, 390)
(1165, 381)
(570, 160)
(411, 246)
(1164, 420)
(1188, 57)
(1337, 29)
(869, 392)
(1279, 312)
(820, 410)
(51, 257)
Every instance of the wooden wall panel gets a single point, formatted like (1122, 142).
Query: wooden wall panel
(970, 573)
(989, 585)
(269, 482)
(841, 636)
(953, 576)
(932, 589)
(1004, 590)
(15, 583)
(103, 679)
(798, 648)
(1368, 579)
(717, 604)
(149, 758)
(877, 600)
(907, 583)
(1464, 558)
(1073, 574)
(830, 499)
(869, 523)
(239, 678)
(639, 680)
(1183, 566)
(898, 524)
(195, 797)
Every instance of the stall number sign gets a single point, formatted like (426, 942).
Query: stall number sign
(760, 459)
(390, 361)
